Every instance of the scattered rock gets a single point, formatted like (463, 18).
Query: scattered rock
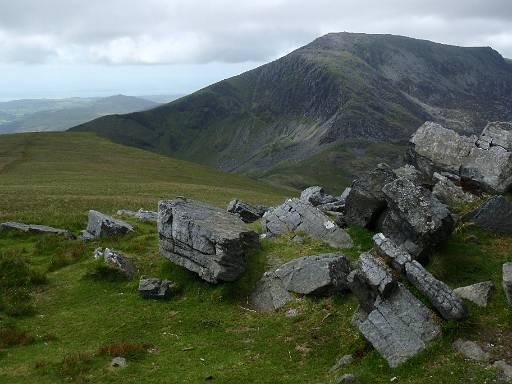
(86, 236)
(101, 225)
(154, 288)
(118, 362)
(248, 213)
(495, 215)
(298, 239)
(471, 350)
(345, 360)
(270, 293)
(343, 198)
(399, 327)
(504, 368)
(112, 257)
(496, 134)
(310, 275)
(204, 239)
(507, 281)
(316, 196)
(297, 216)
(292, 312)
(366, 201)
(346, 378)
(477, 293)
(411, 173)
(35, 228)
(387, 248)
(449, 193)
(142, 214)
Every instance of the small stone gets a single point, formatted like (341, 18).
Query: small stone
(118, 362)
(471, 350)
(347, 378)
(507, 281)
(154, 288)
(345, 360)
(477, 293)
(504, 368)
(292, 312)
(35, 228)
(115, 259)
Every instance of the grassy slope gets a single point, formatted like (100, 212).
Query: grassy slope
(55, 178)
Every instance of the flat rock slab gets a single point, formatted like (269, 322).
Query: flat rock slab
(142, 214)
(34, 228)
(297, 216)
(204, 239)
(495, 215)
(270, 293)
(477, 293)
(399, 327)
(310, 274)
(154, 288)
(471, 350)
(101, 225)
(507, 281)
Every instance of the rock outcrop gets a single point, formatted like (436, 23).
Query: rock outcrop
(154, 288)
(297, 216)
(101, 225)
(115, 259)
(204, 239)
(478, 293)
(34, 228)
(495, 215)
(247, 212)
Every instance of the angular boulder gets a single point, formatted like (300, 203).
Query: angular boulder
(496, 133)
(310, 275)
(154, 288)
(247, 212)
(269, 293)
(114, 259)
(399, 327)
(366, 201)
(507, 281)
(101, 225)
(204, 239)
(297, 216)
(316, 196)
(411, 173)
(34, 228)
(495, 215)
(448, 193)
(386, 248)
(477, 293)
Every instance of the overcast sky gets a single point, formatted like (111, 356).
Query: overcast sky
(60, 48)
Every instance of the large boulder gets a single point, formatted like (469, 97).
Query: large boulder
(415, 216)
(204, 239)
(478, 293)
(247, 212)
(471, 350)
(434, 148)
(399, 327)
(101, 225)
(495, 215)
(507, 281)
(310, 274)
(366, 201)
(448, 192)
(497, 134)
(417, 177)
(270, 293)
(297, 216)
(34, 228)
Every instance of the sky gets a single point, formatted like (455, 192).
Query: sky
(63, 48)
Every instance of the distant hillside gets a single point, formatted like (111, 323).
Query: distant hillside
(322, 113)
(61, 114)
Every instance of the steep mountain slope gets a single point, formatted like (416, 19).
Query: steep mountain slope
(320, 109)
(60, 114)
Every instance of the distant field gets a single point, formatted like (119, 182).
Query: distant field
(60, 322)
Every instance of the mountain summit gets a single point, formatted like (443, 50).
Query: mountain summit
(322, 113)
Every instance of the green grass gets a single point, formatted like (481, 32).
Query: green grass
(203, 332)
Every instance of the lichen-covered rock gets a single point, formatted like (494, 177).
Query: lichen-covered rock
(387, 248)
(507, 281)
(449, 193)
(411, 173)
(442, 297)
(247, 212)
(204, 239)
(142, 214)
(366, 201)
(495, 215)
(434, 148)
(496, 134)
(114, 258)
(154, 288)
(101, 225)
(35, 228)
(310, 274)
(399, 327)
(270, 293)
(297, 216)
(478, 293)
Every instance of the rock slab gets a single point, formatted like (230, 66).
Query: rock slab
(204, 239)
(471, 350)
(507, 281)
(101, 225)
(247, 212)
(154, 288)
(270, 293)
(34, 228)
(115, 259)
(478, 293)
(142, 214)
(495, 215)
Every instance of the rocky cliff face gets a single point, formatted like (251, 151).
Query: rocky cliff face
(300, 114)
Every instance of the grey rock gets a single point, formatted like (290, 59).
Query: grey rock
(316, 196)
(399, 327)
(34, 228)
(344, 360)
(411, 173)
(292, 312)
(115, 259)
(442, 297)
(118, 362)
(269, 293)
(101, 225)
(339, 269)
(471, 350)
(388, 249)
(366, 201)
(449, 193)
(477, 293)
(154, 288)
(497, 134)
(86, 236)
(434, 148)
(247, 212)
(495, 215)
(415, 215)
(297, 216)
(507, 281)
(504, 368)
(346, 378)
(310, 275)
(142, 214)
(343, 198)
(204, 239)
